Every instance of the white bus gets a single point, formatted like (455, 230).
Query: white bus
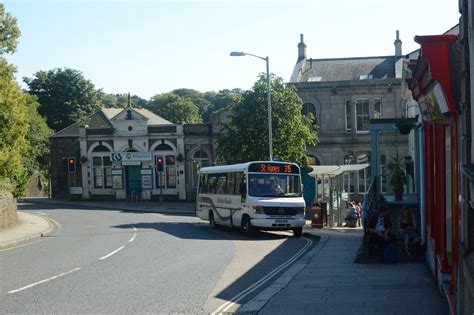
(252, 196)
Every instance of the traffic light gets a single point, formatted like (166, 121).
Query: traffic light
(159, 163)
(71, 165)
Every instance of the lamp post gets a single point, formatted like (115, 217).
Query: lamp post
(269, 98)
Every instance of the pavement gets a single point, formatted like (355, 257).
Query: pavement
(325, 281)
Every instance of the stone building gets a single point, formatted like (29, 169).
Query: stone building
(116, 155)
(344, 94)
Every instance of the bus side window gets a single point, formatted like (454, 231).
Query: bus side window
(221, 184)
(230, 183)
(238, 181)
(203, 183)
(212, 181)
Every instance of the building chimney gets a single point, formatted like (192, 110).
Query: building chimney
(398, 45)
(301, 48)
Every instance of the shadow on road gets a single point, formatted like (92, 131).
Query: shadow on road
(188, 230)
(27, 205)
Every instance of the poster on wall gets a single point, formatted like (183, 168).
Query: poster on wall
(147, 182)
(117, 181)
(171, 176)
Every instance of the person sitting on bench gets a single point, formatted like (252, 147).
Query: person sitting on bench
(380, 228)
(408, 229)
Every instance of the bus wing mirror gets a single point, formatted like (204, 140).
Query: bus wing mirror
(302, 187)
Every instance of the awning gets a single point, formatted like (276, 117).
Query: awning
(334, 170)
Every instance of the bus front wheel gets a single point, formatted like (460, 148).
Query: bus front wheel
(247, 225)
(298, 231)
(212, 221)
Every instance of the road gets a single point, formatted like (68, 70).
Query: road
(105, 261)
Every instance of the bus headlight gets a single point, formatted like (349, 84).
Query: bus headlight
(257, 209)
(301, 210)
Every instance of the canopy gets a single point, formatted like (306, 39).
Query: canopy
(334, 170)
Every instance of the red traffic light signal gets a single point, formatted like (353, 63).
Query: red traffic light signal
(71, 165)
(159, 163)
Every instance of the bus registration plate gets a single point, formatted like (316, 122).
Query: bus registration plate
(281, 221)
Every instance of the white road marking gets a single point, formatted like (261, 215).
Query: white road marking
(114, 252)
(42, 213)
(134, 235)
(121, 247)
(226, 306)
(43, 281)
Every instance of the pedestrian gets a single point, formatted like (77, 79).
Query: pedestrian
(358, 208)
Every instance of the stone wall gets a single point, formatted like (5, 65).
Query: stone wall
(7, 210)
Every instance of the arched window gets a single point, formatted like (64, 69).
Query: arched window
(101, 167)
(163, 147)
(169, 177)
(200, 159)
(101, 148)
(309, 108)
(312, 160)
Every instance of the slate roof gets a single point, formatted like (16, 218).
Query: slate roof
(102, 119)
(344, 69)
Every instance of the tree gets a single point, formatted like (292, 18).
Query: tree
(9, 32)
(13, 127)
(121, 100)
(196, 97)
(24, 147)
(174, 108)
(245, 136)
(65, 96)
(220, 100)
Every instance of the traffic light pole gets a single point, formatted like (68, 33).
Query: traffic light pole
(160, 177)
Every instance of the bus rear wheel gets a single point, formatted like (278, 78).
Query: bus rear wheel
(212, 221)
(297, 232)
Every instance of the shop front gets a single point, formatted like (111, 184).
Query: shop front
(434, 86)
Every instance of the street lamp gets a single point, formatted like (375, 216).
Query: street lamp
(269, 97)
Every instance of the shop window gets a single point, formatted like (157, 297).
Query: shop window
(377, 108)
(167, 178)
(102, 168)
(349, 182)
(362, 115)
(200, 159)
(363, 176)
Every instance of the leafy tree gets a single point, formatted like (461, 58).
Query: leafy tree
(9, 32)
(24, 147)
(65, 96)
(175, 108)
(196, 97)
(245, 135)
(220, 100)
(121, 100)
(13, 128)
(37, 158)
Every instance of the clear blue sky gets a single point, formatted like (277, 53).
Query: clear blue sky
(152, 47)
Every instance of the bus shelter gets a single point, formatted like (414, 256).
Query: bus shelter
(329, 189)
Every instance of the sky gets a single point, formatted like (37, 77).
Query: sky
(148, 47)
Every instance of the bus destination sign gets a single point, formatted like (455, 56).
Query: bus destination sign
(273, 168)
